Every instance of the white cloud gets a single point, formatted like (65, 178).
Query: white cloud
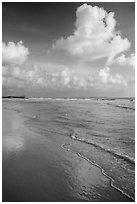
(10, 82)
(125, 61)
(106, 78)
(95, 35)
(28, 76)
(14, 53)
(33, 77)
(102, 78)
(4, 70)
(16, 72)
(66, 76)
(104, 75)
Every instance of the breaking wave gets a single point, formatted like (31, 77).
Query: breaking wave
(116, 154)
(64, 146)
(125, 107)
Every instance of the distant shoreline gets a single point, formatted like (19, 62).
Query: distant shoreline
(67, 98)
(10, 97)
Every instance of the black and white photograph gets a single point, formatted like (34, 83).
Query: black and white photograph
(68, 101)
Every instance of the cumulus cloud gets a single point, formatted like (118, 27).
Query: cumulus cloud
(125, 61)
(103, 77)
(95, 35)
(14, 53)
(106, 78)
(38, 77)
(12, 82)
(50, 76)
(28, 76)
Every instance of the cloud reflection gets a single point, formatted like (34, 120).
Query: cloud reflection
(13, 137)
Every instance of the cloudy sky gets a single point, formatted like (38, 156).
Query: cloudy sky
(68, 49)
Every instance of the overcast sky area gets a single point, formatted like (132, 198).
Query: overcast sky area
(68, 49)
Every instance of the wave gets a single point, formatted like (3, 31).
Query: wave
(32, 117)
(64, 146)
(125, 107)
(59, 99)
(119, 156)
(108, 99)
(116, 98)
(122, 106)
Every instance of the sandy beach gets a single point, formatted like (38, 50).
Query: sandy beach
(68, 101)
(39, 165)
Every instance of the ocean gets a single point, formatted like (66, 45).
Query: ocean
(68, 150)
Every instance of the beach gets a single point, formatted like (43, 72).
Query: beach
(68, 150)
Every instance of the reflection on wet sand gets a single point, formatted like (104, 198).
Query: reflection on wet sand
(85, 179)
(13, 138)
(12, 143)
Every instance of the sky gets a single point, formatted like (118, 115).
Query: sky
(68, 49)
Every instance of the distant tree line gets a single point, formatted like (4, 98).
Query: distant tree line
(13, 97)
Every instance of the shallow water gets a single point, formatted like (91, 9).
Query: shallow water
(68, 150)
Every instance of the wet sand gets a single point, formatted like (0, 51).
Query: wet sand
(36, 167)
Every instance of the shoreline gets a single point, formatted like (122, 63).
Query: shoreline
(30, 141)
(102, 171)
